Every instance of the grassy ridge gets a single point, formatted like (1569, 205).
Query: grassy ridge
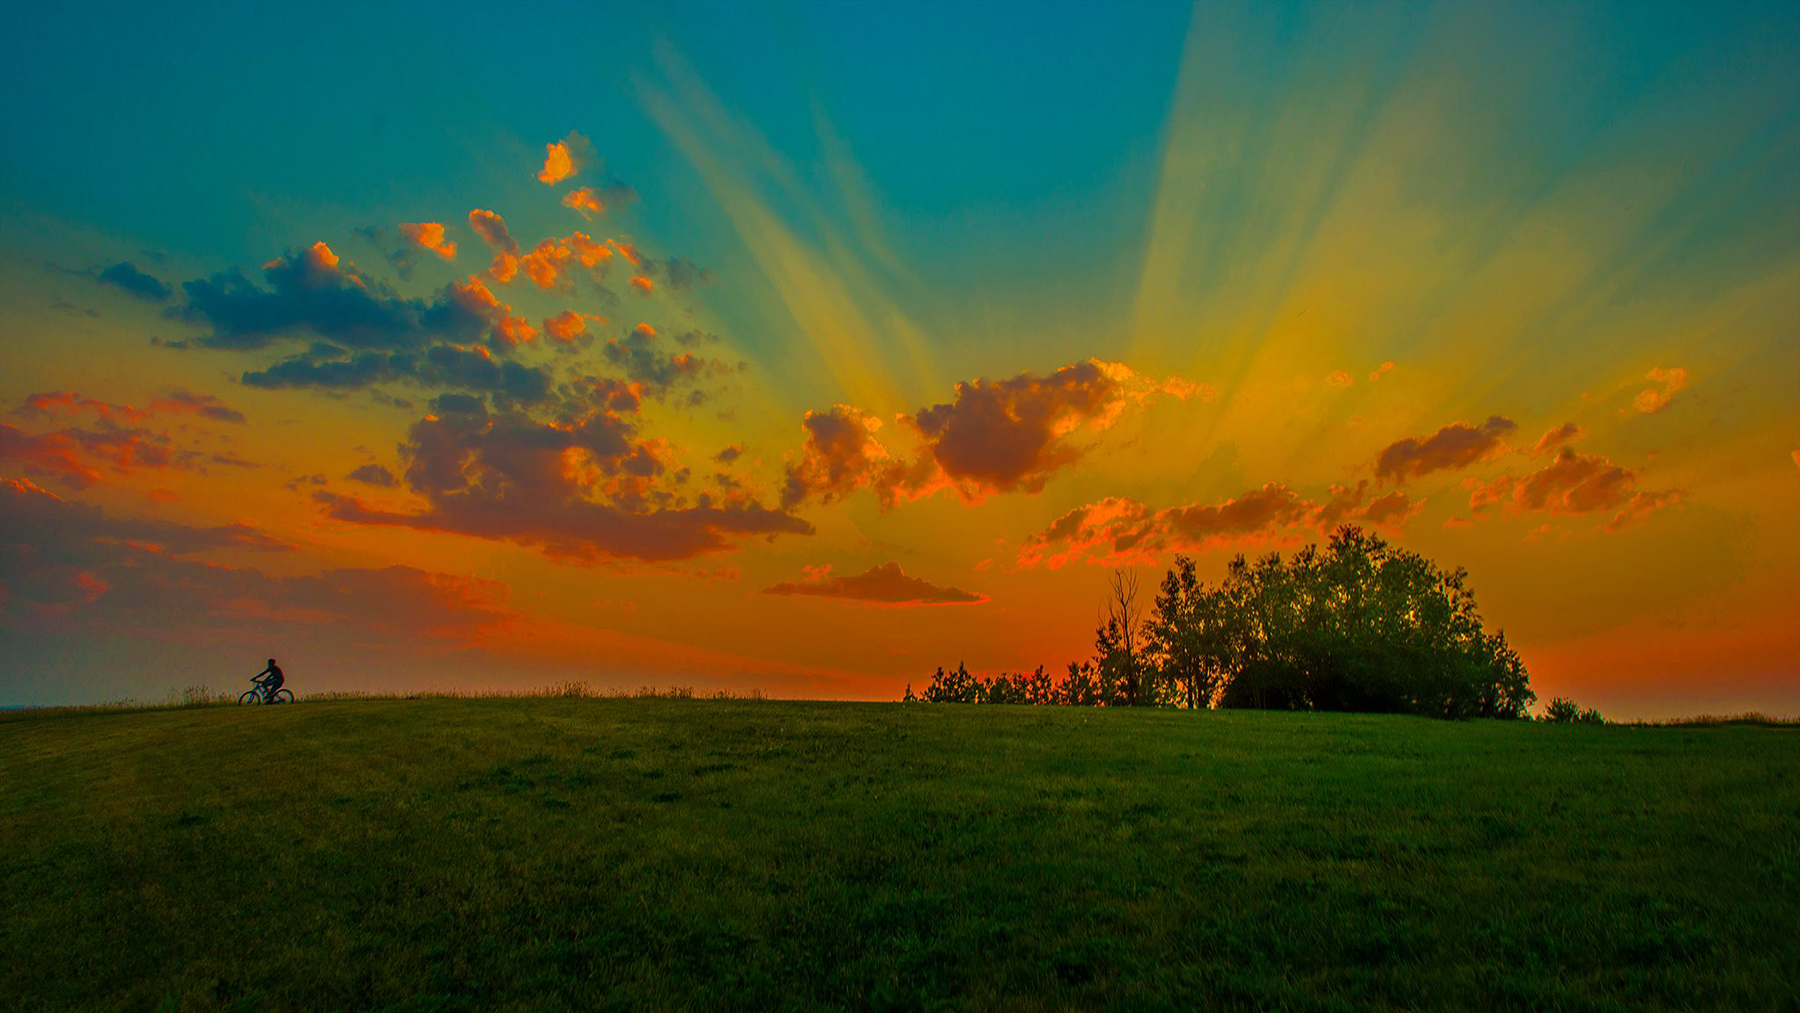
(547, 854)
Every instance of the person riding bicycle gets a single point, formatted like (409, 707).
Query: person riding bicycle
(269, 680)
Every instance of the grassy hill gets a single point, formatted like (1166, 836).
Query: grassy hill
(549, 854)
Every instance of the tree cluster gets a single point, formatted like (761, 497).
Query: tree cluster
(1359, 625)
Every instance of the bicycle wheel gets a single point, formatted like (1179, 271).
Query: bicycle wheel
(284, 696)
(250, 696)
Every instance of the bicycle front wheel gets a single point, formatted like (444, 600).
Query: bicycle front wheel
(284, 696)
(250, 696)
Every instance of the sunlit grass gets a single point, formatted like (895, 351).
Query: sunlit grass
(556, 852)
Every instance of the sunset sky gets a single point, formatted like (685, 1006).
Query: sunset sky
(805, 348)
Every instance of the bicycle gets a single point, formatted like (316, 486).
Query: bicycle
(261, 694)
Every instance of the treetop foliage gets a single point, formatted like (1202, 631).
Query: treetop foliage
(1359, 625)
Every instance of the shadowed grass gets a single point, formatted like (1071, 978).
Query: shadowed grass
(547, 853)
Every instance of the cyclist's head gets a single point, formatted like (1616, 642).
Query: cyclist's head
(271, 661)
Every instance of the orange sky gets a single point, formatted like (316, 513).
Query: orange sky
(678, 375)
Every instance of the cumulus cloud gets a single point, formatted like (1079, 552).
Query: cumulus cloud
(995, 436)
(1568, 432)
(1457, 445)
(644, 285)
(586, 201)
(1574, 484)
(584, 488)
(493, 231)
(317, 293)
(885, 584)
(568, 326)
(1668, 382)
(429, 236)
(548, 263)
(1380, 371)
(1340, 378)
(126, 277)
(565, 158)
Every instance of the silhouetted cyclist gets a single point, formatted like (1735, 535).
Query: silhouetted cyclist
(269, 680)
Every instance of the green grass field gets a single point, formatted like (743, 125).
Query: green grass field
(643, 854)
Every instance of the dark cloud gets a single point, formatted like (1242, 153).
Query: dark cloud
(640, 356)
(885, 584)
(206, 406)
(458, 367)
(1457, 445)
(125, 276)
(996, 436)
(373, 474)
(583, 488)
(493, 231)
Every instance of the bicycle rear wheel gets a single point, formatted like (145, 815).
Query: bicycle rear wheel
(284, 696)
(250, 696)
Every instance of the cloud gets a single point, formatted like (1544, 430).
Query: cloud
(841, 455)
(729, 454)
(996, 436)
(429, 236)
(1380, 371)
(373, 474)
(1457, 445)
(885, 584)
(1574, 484)
(456, 367)
(584, 200)
(493, 231)
(126, 277)
(1013, 434)
(74, 570)
(1568, 432)
(682, 275)
(568, 326)
(644, 285)
(584, 489)
(565, 158)
(68, 402)
(1670, 382)
(206, 406)
(317, 293)
(1118, 531)
(1340, 378)
(75, 456)
(548, 263)
(640, 356)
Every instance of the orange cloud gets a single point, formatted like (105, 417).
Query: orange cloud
(504, 268)
(1117, 531)
(569, 325)
(885, 584)
(68, 402)
(628, 251)
(493, 231)
(1670, 382)
(643, 284)
(1574, 484)
(584, 200)
(1457, 445)
(1381, 371)
(1568, 432)
(430, 236)
(1339, 378)
(544, 264)
(514, 330)
(565, 158)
